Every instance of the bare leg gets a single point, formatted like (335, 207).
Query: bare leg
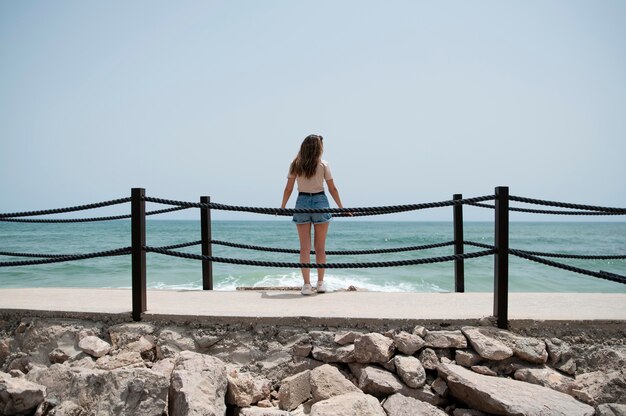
(304, 232)
(321, 230)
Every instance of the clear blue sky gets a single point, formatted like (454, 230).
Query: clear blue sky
(416, 100)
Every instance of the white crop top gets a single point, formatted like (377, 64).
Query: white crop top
(315, 183)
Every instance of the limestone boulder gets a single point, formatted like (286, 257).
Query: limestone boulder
(173, 340)
(379, 382)
(124, 335)
(125, 359)
(119, 392)
(94, 346)
(506, 396)
(347, 337)
(407, 343)
(527, 348)
(344, 354)
(424, 394)
(445, 339)
(440, 387)
(486, 346)
(245, 390)
(262, 411)
(601, 387)
(429, 359)
(602, 358)
(420, 331)
(467, 358)
(410, 370)
(373, 348)
(547, 377)
(561, 355)
(327, 381)
(39, 337)
(19, 396)
(399, 405)
(295, 390)
(611, 409)
(349, 404)
(198, 385)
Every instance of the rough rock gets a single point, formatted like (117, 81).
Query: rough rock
(399, 405)
(601, 387)
(119, 392)
(94, 346)
(58, 356)
(245, 390)
(343, 354)
(560, 355)
(547, 377)
(5, 350)
(124, 334)
(407, 343)
(378, 382)
(125, 359)
(327, 381)
(373, 348)
(611, 409)
(410, 370)
(527, 348)
(440, 387)
(349, 404)
(165, 367)
(424, 394)
(302, 350)
(484, 370)
(295, 390)
(420, 331)
(18, 395)
(198, 385)
(506, 396)
(345, 338)
(261, 411)
(172, 341)
(429, 359)
(602, 359)
(445, 339)
(486, 345)
(467, 358)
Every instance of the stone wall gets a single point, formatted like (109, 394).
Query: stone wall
(53, 366)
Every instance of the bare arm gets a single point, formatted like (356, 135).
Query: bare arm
(334, 192)
(288, 191)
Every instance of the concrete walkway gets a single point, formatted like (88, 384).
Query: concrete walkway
(337, 305)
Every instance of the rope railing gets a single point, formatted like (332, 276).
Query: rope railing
(293, 265)
(333, 252)
(548, 212)
(613, 210)
(94, 219)
(68, 209)
(360, 211)
(69, 257)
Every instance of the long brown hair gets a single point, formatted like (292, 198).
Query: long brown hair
(308, 158)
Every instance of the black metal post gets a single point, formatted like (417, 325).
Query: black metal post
(205, 226)
(138, 254)
(501, 262)
(459, 266)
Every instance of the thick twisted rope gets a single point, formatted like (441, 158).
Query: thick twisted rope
(601, 275)
(333, 252)
(68, 209)
(361, 211)
(549, 212)
(616, 211)
(397, 263)
(71, 257)
(556, 255)
(94, 219)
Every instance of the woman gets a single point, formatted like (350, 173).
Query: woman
(309, 171)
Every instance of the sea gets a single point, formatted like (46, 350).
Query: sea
(165, 272)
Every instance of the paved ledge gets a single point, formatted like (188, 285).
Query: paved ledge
(271, 305)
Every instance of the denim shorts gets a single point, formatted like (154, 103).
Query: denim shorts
(312, 201)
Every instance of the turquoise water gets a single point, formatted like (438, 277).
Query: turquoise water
(165, 272)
